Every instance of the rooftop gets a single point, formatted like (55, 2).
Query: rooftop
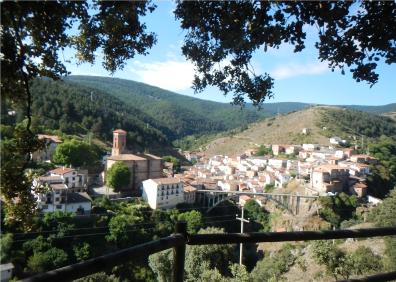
(53, 138)
(166, 180)
(329, 167)
(61, 170)
(120, 131)
(189, 188)
(6, 266)
(126, 157)
(78, 198)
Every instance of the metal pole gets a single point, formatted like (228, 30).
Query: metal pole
(179, 253)
(242, 219)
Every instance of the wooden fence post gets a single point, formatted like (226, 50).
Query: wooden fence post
(179, 253)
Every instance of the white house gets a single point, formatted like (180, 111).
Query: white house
(163, 192)
(74, 180)
(310, 147)
(58, 197)
(6, 271)
(277, 163)
(335, 140)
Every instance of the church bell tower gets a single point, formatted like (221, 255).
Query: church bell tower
(119, 142)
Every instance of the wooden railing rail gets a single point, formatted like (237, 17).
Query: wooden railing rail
(180, 239)
(106, 262)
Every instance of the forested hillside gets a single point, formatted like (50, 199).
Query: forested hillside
(72, 109)
(181, 115)
(343, 122)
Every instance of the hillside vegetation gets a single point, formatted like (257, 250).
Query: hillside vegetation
(71, 109)
(321, 121)
(179, 115)
(345, 123)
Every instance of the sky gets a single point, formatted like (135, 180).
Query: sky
(299, 77)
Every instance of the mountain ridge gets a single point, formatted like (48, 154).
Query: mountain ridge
(268, 107)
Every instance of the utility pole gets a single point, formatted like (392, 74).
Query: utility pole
(242, 219)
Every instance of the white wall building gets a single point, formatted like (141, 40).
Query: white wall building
(6, 270)
(69, 176)
(163, 192)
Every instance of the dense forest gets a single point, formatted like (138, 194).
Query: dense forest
(352, 123)
(77, 110)
(180, 115)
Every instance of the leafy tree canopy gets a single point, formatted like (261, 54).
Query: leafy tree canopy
(383, 175)
(222, 37)
(194, 220)
(118, 176)
(337, 208)
(75, 153)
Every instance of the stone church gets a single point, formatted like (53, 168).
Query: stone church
(141, 166)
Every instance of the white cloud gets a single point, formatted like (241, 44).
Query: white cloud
(174, 75)
(294, 69)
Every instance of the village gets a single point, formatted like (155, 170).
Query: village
(306, 169)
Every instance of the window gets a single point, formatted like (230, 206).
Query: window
(74, 178)
(58, 207)
(44, 207)
(57, 199)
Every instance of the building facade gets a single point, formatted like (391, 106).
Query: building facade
(141, 166)
(163, 192)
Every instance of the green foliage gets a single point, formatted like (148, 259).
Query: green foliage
(194, 220)
(269, 188)
(271, 268)
(382, 176)
(364, 261)
(336, 209)
(257, 214)
(239, 273)
(75, 153)
(118, 176)
(223, 29)
(98, 277)
(174, 115)
(174, 161)
(202, 257)
(82, 251)
(42, 31)
(77, 109)
(263, 150)
(339, 263)
(336, 261)
(44, 261)
(122, 230)
(384, 215)
(161, 264)
(15, 181)
(346, 122)
(6, 241)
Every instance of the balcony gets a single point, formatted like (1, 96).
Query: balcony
(181, 238)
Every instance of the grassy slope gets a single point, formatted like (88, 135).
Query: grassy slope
(282, 129)
(287, 128)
